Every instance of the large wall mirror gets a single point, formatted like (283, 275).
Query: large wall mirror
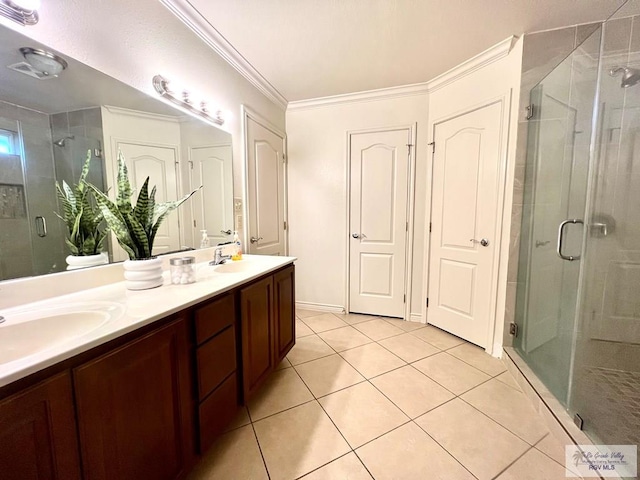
(48, 124)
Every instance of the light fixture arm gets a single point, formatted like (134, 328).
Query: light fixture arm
(161, 86)
(17, 13)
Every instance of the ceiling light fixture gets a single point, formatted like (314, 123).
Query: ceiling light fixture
(24, 12)
(161, 85)
(47, 63)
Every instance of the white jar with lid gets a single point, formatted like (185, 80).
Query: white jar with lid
(183, 270)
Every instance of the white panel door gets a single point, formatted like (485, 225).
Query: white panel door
(464, 215)
(159, 164)
(266, 190)
(379, 164)
(213, 204)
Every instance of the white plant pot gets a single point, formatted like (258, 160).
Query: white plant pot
(75, 262)
(143, 274)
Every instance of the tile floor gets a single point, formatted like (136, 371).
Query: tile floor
(361, 397)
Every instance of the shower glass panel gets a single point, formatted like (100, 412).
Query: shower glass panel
(555, 191)
(606, 385)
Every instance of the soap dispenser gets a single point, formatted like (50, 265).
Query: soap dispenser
(237, 252)
(204, 242)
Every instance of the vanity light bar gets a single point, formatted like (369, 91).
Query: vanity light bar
(18, 13)
(161, 85)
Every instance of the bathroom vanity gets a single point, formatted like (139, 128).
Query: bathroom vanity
(145, 398)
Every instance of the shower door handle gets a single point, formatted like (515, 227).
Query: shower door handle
(570, 258)
(41, 226)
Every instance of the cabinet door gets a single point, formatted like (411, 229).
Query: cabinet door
(256, 307)
(285, 317)
(135, 411)
(38, 433)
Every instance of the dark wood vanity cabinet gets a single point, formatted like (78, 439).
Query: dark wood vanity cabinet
(285, 312)
(38, 432)
(216, 367)
(135, 408)
(257, 324)
(267, 312)
(145, 405)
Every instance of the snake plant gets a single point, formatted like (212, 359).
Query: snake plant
(82, 218)
(135, 227)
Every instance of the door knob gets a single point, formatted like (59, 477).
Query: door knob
(355, 235)
(255, 239)
(226, 232)
(484, 242)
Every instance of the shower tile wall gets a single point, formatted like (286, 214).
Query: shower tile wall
(46, 253)
(542, 52)
(86, 128)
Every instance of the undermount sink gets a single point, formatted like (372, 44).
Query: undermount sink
(28, 332)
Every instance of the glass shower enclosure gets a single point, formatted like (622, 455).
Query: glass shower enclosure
(578, 297)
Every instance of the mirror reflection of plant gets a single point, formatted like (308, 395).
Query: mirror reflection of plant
(83, 219)
(135, 227)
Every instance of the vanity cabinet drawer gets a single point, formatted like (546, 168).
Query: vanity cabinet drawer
(216, 360)
(214, 317)
(217, 411)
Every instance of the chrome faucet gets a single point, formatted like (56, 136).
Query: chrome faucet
(218, 258)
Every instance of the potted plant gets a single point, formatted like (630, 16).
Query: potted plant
(135, 227)
(83, 220)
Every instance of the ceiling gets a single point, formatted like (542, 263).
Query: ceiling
(316, 48)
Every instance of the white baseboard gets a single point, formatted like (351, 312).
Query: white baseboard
(320, 307)
(416, 317)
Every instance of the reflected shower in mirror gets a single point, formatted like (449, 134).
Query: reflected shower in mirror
(53, 111)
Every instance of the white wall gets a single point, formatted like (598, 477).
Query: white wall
(135, 40)
(317, 173)
(500, 78)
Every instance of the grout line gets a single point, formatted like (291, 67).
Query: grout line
(382, 435)
(264, 462)
(514, 461)
(503, 426)
(301, 477)
(442, 446)
(284, 410)
(478, 368)
(549, 457)
(413, 361)
(363, 464)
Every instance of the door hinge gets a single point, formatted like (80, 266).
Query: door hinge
(191, 164)
(513, 329)
(285, 225)
(194, 224)
(429, 227)
(406, 226)
(433, 147)
(404, 299)
(284, 158)
(427, 302)
(409, 145)
(530, 111)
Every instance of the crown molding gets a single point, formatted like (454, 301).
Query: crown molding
(490, 55)
(467, 67)
(201, 27)
(365, 96)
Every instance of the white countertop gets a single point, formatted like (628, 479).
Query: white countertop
(134, 309)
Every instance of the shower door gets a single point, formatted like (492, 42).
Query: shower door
(553, 209)
(606, 387)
